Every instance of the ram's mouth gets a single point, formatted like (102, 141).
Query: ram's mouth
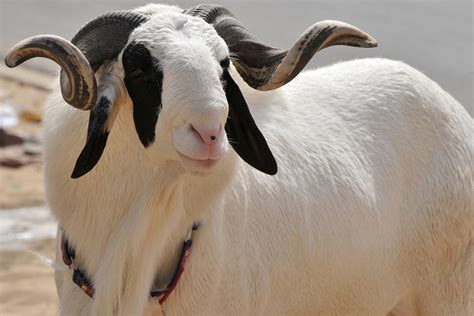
(197, 165)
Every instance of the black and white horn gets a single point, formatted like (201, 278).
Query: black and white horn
(78, 86)
(99, 40)
(266, 68)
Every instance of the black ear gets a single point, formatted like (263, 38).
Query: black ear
(97, 135)
(243, 133)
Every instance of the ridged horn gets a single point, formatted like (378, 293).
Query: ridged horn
(99, 40)
(78, 86)
(266, 68)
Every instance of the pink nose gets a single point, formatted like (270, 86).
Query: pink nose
(208, 135)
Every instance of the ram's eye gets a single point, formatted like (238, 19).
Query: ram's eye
(136, 72)
(225, 63)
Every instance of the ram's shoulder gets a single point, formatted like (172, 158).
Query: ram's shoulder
(382, 65)
(358, 82)
(378, 80)
(368, 71)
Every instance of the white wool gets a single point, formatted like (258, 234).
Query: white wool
(371, 209)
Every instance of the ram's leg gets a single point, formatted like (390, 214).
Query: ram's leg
(153, 308)
(127, 272)
(117, 279)
(451, 291)
(405, 307)
(428, 305)
(113, 275)
(447, 301)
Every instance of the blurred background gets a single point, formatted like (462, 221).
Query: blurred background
(434, 36)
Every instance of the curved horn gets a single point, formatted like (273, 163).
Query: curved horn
(99, 40)
(264, 67)
(106, 35)
(79, 87)
(317, 37)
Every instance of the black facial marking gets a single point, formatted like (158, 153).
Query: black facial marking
(243, 133)
(144, 82)
(225, 63)
(97, 135)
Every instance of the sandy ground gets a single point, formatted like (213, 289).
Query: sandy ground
(26, 284)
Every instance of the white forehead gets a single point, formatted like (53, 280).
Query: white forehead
(172, 35)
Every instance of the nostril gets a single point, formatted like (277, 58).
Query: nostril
(194, 130)
(207, 135)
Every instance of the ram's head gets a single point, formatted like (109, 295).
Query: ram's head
(173, 66)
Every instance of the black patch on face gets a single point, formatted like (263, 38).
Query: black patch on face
(225, 63)
(97, 135)
(144, 82)
(243, 133)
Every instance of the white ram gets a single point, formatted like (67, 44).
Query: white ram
(371, 211)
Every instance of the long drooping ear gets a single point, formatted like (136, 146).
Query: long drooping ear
(99, 40)
(266, 68)
(243, 133)
(101, 120)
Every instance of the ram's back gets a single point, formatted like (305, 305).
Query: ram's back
(375, 177)
(374, 127)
